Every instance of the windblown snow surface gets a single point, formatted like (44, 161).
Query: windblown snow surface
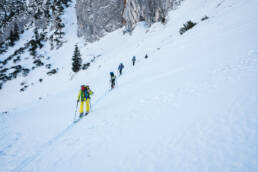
(191, 106)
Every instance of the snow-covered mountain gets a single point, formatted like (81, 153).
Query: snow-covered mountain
(190, 106)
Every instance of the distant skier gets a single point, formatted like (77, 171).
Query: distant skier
(112, 79)
(146, 56)
(134, 60)
(84, 96)
(120, 68)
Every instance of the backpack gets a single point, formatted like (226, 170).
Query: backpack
(121, 66)
(113, 77)
(86, 94)
(83, 89)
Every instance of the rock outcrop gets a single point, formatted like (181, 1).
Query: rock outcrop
(150, 11)
(97, 17)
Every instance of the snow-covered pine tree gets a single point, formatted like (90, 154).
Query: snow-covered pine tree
(16, 32)
(2, 47)
(66, 2)
(51, 42)
(60, 7)
(188, 25)
(47, 9)
(11, 39)
(33, 47)
(59, 28)
(34, 44)
(77, 61)
(36, 34)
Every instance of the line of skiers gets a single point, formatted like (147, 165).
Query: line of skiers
(85, 92)
(120, 70)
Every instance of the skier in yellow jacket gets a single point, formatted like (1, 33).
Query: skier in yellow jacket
(84, 96)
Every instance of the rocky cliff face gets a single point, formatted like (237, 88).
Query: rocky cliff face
(150, 11)
(97, 17)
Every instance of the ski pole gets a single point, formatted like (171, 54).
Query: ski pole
(76, 110)
(90, 106)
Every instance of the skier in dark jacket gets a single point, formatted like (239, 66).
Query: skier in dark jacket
(112, 79)
(120, 68)
(146, 56)
(134, 60)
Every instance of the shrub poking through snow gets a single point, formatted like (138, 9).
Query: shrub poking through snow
(24, 88)
(205, 18)
(3, 47)
(48, 66)
(52, 72)
(25, 72)
(17, 59)
(38, 62)
(85, 66)
(188, 25)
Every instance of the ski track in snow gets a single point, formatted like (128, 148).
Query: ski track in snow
(45, 148)
(246, 65)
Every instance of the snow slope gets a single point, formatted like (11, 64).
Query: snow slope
(191, 106)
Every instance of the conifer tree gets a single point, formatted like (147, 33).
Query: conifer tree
(36, 34)
(33, 47)
(16, 32)
(60, 7)
(77, 61)
(47, 9)
(2, 47)
(11, 38)
(51, 41)
(48, 3)
(59, 28)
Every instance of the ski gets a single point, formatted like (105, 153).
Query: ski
(77, 120)
(80, 118)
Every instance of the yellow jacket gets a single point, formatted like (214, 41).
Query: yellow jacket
(84, 94)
